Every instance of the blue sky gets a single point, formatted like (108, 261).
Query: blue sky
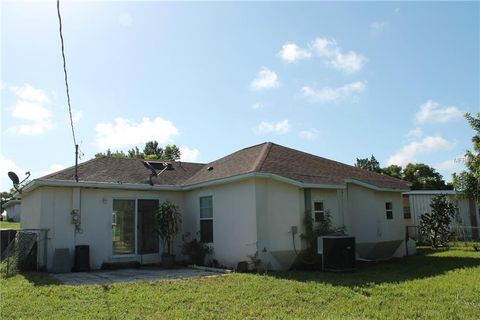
(339, 80)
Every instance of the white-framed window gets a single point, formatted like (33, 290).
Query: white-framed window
(389, 210)
(318, 211)
(206, 219)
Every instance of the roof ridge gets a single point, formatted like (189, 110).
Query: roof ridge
(344, 164)
(262, 157)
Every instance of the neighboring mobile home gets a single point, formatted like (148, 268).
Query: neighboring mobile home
(417, 202)
(13, 210)
(243, 203)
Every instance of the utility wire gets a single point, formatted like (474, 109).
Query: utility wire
(65, 72)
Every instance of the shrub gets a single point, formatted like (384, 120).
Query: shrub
(435, 225)
(195, 249)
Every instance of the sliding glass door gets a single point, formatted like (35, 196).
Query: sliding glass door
(133, 227)
(147, 237)
(123, 227)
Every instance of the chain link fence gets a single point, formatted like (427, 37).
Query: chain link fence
(459, 234)
(26, 251)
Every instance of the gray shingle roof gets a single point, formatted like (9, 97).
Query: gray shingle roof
(263, 158)
(126, 170)
(290, 163)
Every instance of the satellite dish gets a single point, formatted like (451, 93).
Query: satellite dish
(13, 176)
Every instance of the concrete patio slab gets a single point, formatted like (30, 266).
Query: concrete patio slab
(129, 275)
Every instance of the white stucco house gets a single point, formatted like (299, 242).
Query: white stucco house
(243, 203)
(13, 210)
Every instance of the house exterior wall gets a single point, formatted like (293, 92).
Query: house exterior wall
(32, 209)
(14, 212)
(251, 215)
(279, 207)
(375, 234)
(96, 205)
(234, 220)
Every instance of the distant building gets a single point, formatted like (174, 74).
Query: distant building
(13, 210)
(416, 203)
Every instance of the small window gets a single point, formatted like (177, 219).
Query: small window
(318, 211)
(206, 219)
(406, 207)
(389, 210)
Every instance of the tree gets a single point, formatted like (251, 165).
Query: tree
(468, 181)
(109, 153)
(171, 152)
(135, 153)
(168, 221)
(435, 225)
(368, 164)
(393, 171)
(5, 197)
(151, 151)
(424, 177)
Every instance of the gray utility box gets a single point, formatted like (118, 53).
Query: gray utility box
(338, 253)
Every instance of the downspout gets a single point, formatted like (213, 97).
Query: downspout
(473, 218)
(307, 196)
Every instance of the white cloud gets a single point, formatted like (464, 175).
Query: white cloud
(27, 92)
(124, 133)
(51, 169)
(280, 127)
(332, 95)
(28, 110)
(31, 105)
(377, 27)
(290, 52)
(414, 134)
(77, 116)
(431, 112)
(266, 79)
(7, 165)
(257, 105)
(33, 129)
(411, 151)
(188, 154)
(125, 19)
(328, 49)
(309, 134)
(448, 167)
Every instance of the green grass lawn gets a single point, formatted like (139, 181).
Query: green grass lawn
(441, 285)
(9, 225)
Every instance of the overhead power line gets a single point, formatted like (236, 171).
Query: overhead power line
(65, 72)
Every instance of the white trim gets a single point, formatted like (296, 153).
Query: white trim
(371, 186)
(101, 185)
(145, 187)
(431, 192)
(273, 176)
(10, 203)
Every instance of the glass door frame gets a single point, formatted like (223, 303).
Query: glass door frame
(136, 229)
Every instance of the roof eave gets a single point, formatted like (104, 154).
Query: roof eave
(101, 185)
(273, 176)
(374, 187)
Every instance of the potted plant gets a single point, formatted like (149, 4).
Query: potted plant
(195, 249)
(168, 221)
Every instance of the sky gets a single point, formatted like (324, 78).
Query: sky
(339, 80)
